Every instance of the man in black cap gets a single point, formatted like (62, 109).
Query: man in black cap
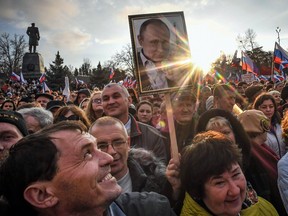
(43, 99)
(54, 105)
(12, 129)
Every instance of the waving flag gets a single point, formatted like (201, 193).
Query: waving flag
(262, 77)
(45, 88)
(22, 80)
(66, 90)
(248, 64)
(280, 58)
(14, 77)
(112, 73)
(42, 78)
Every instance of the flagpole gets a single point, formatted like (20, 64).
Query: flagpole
(272, 70)
(242, 62)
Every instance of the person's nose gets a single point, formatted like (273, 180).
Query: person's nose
(110, 100)
(186, 108)
(233, 189)
(161, 47)
(111, 150)
(104, 158)
(3, 145)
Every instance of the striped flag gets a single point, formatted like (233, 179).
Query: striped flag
(42, 78)
(280, 58)
(248, 64)
(14, 77)
(22, 80)
(45, 88)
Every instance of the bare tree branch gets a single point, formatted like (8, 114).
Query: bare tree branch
(12, 51)
(123, 60)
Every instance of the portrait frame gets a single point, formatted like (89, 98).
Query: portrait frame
(172, 68)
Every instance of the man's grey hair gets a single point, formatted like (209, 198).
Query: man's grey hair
(124, 89)
(44, 117)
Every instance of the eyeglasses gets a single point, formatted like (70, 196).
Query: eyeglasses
(71, 118)
(97, 101)
(116, 144)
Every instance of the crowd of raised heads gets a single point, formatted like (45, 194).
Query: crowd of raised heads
(232, 140)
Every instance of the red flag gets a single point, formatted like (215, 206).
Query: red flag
(112, 73)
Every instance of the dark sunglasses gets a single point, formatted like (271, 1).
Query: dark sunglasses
(71, 118)
(97, 101)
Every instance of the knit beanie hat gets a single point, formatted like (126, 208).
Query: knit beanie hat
(46, 95)
(254, 121)
(252, 91)
(14, 118)
(84, 91)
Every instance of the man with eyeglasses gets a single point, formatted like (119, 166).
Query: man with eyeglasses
(116, 101)
(113, 139)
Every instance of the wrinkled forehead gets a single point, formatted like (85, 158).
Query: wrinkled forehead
(68, 139)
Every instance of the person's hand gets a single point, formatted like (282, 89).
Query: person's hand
(173, 176)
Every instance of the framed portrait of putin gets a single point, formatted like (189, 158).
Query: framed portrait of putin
(161, 52)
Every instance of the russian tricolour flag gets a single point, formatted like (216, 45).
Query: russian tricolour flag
(280, 58)
(248, 64)
(42, 78)
(15, 77)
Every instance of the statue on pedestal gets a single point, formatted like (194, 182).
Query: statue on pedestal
(33, 63)
(34, 37)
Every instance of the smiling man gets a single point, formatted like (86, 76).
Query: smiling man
(116, 101)
(60, 171)
(131, 174)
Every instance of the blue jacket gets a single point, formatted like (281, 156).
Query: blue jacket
(283, 179)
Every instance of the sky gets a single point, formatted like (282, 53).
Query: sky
(97, 29)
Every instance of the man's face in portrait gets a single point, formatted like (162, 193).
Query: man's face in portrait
(155, 41)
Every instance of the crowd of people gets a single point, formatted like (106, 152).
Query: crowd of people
(108, 151)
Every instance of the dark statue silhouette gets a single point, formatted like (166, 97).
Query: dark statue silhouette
(34, 37)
